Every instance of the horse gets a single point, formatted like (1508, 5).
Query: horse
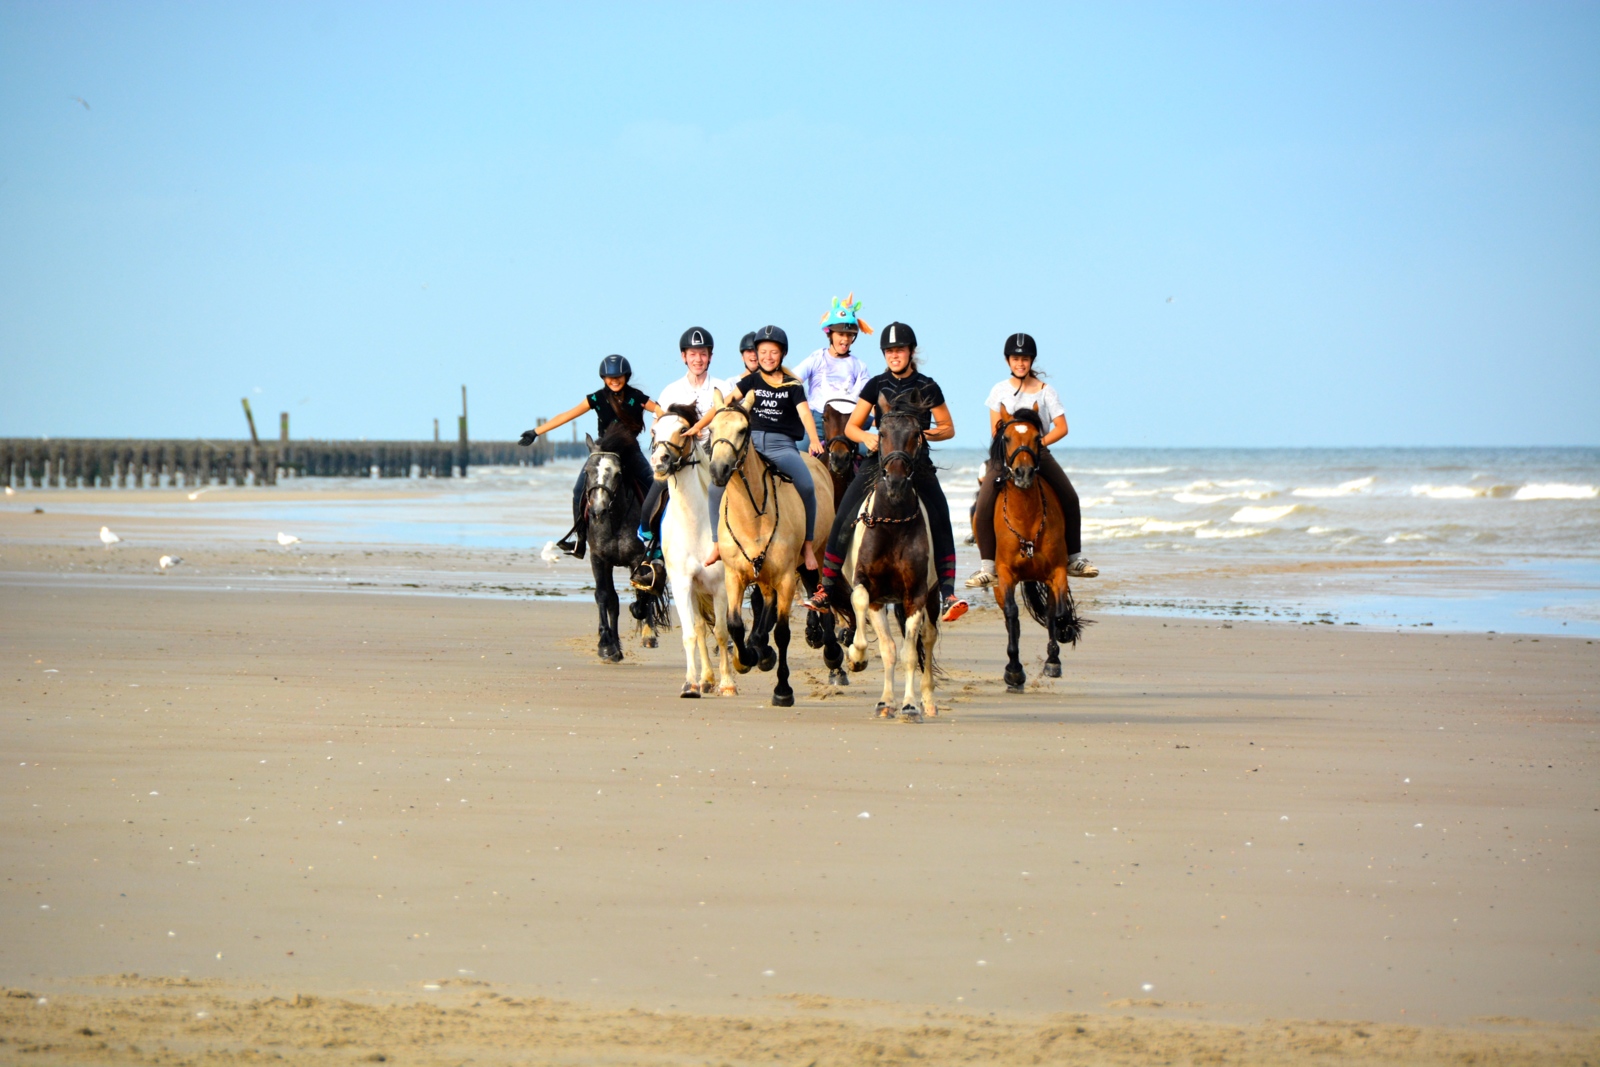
(843, 456)
(890, 562)
(761, 531)
(679, 459)
(1030, 546)
(613, 539)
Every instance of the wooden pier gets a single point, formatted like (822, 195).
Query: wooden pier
(91, 462)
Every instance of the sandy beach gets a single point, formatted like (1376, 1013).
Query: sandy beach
(330, 824)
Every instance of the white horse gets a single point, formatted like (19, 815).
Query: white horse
(699, 592)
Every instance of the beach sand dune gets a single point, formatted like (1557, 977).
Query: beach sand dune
(347, 825)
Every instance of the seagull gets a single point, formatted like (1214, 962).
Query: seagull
(168, 561)
(1169, 299)
(550, 553)
(84, 102)
(287, 539)
(108, 538)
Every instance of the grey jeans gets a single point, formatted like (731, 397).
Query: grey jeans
(784, 452)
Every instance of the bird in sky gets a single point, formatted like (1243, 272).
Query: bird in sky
(84, 102)
(108, 538)
(168, 561)
(287, 539)
(1169, 299)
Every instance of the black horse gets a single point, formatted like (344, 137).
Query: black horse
(612, 506)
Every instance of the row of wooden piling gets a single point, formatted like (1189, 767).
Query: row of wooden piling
(90, 462)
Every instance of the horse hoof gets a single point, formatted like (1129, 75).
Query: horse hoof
(782, 700)
(910, 713)
(651, 642)
(1052, 670)
(885, 711)
(611, 655)
(857, 668)
(769, 660)
(729, 691)
(838, 677)
(690, 691)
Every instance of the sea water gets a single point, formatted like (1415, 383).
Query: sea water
(1501, 539)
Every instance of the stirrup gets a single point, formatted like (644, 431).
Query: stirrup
(648, 576)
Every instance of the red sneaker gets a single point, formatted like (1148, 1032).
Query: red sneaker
(818, 601)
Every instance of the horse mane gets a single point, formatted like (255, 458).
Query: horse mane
(687, 412)
(997, 447)
(620, 439)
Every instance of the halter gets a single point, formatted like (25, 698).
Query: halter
(769, 493)
(1028, 545)
(910, 457)
(679, 456)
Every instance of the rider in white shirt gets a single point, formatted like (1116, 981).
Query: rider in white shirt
(832, 374)
(694, 389)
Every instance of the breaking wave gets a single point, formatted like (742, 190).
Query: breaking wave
(1272, 514)
(1557, 491)
(1358, 485)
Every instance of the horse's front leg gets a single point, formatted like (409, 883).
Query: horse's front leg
(914, 622)
(886, 651)
(1058, 604)
(1016, 677)
(743, 657)
(930, 641)
(856, 655)
(761, 627)
(725, 683)
(693, 634)
(605, 600)
(782, 693)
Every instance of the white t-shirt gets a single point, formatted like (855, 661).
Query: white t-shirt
(1004, 397)
(700, 397)
(829, 379)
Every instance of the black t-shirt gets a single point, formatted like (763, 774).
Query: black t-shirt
(775, 410)
(633, 400)
(888, 386)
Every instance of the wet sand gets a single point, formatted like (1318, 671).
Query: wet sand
(246, 795)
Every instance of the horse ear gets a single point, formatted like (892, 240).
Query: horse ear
(1035, 405)
(716, 399)
(883, 404)
(588, 439)
(748, 402)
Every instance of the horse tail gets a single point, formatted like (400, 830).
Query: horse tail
(705, 608)
(1036, 595)
(1069, 624)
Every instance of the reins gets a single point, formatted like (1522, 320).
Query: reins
(769, 495)
(883, 461)
(1028, 546)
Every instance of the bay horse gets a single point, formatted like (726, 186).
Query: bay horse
(679, 459)
(761, 532)
(890, 563)
(613, 510)
(1030, 546)
(843, 456)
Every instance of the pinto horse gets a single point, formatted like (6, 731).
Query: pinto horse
(890, 562)
(761, 531)
(1030, 546)
(680, 460)
(613, 510)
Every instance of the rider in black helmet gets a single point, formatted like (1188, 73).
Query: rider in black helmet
(899, 344)
(616, 402)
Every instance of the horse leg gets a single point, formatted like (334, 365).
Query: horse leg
(886, 638)
(1058, 604)
(761, 630)
(605, 599)
(909, 712)
(930, 640)
(1015, 676)
(725, 683)
(743, 658)
(856, 654)
(693, 633)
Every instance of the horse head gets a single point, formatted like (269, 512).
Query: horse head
(900, 441)
(841, 450)
(604, 479)
(730, 438)
(672, 446)
(1016, 446)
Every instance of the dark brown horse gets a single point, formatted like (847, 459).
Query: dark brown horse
(890, 563)
(1030, 547)
(843, 456)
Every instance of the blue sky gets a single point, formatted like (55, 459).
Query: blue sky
(1378, 223)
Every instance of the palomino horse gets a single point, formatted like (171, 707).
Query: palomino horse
(890, 562)
(1030, 546)
(613, 509)
(843, 456)
(761, 532)
(680, 460)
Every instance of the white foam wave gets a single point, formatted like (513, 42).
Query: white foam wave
(1216, 532)
(1160, 526)
(1448, 492)
(1557, 491)
(1394, 538)
(1318, 531)
(1118, 483)
(1095, 501)
(1116, 470)
(1357, 485)
(1188, 496)
(1263, 514)
(1134, 492)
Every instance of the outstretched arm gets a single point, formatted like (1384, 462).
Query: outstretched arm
(705, 420)
(560, 420)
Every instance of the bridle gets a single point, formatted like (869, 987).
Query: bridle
(909, 455)
(589, 495)
(679, 456)
(769, 493)
(1028, 546)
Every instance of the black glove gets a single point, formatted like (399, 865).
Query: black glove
(528, 437)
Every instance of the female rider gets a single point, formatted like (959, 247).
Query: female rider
(616, 402)
(1024, 390)
(899, 344)
(779, 418)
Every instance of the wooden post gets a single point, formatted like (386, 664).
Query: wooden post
(435, 431)
(463, 431)
(255, 440)
(283, 427)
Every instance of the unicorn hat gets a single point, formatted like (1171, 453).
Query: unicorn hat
(843, 313)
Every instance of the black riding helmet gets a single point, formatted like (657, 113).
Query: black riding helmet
(747, 343)
(898, 335)
(1021, 344)
(695, 337)
(615, 367)
(774, 334)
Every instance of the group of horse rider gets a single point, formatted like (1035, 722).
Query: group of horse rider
(787, 408)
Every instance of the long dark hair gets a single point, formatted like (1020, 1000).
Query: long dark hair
(629, 417)
(997, 447)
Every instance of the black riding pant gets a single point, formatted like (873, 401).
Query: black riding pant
(1066, 496)
(925, 480)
